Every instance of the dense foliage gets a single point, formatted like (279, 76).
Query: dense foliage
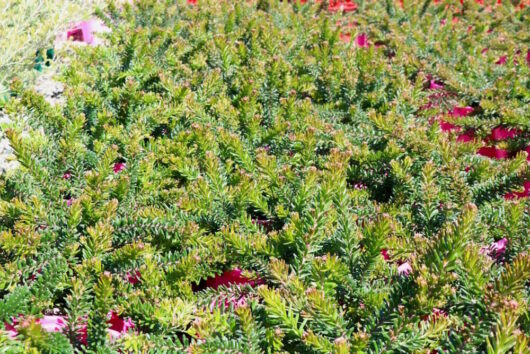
(264, 177)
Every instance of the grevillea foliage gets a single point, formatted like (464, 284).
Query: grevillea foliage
(276, 177)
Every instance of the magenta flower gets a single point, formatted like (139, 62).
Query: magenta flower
(499, 248)
(461, 111)
(468, 136)
(404, 269)
(384, 253)
(447, 127)
(118, 167)
(516, 195)
(501, 133)
(67, 175)
(493, 152)
(69, 202)
(502, 60)
(118, 326)
(435, 85)
(362, 41)
(231, 277)
(134, 277)
(527, 149)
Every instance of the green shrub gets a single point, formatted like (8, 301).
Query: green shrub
(247, 135)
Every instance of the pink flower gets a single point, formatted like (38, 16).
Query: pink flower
(527, 149)
(499, 248)
(52, 323)
(501, 133)
(493, 152)
(85, 32)
(461, 111)
(362, 41)
(384, 253)
(434, 85)
(483, 51)
(443, 21)
(67, 175)
(134, 277)
(404, 269)
(225, 302)
(502, 60)
(231, 277)
(69, 202)
(119, 166)
(49, 324)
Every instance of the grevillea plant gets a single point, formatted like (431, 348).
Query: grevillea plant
(276, 177)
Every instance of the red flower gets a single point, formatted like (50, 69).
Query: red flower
(384, 253)
(119, 166)
(493, 152)
(192, 2)
(231, 277)
(67, 175)
(501, 133)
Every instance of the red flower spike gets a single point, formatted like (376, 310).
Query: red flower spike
(231, 277)
(516, 195)
(493, 152)
(447, 127)
(342, 6)
(501, 133)
(466, 137)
